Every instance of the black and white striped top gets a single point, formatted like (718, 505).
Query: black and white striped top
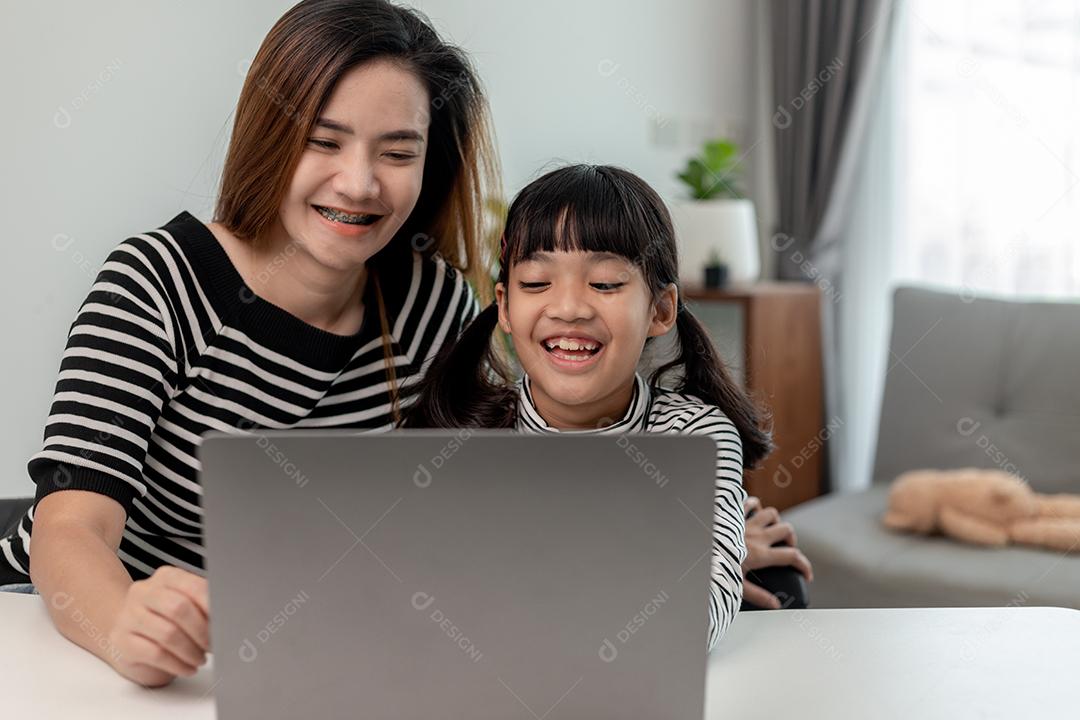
(171, 343)
(658, 410)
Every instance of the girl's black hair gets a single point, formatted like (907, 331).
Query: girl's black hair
(594, 208)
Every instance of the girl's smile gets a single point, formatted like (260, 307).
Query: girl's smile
(573, 352)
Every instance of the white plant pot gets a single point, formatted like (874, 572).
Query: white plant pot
(728, 226)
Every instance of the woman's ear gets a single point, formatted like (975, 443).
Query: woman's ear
(500, 299)
(664, 311)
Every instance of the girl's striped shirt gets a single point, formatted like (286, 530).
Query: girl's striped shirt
(171, 343)
(658, 410)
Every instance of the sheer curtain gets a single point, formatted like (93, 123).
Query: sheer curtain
(870, 227)
(993, 136)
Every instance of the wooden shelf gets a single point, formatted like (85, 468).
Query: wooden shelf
(782, 369)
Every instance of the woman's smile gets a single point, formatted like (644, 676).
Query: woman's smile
(347, 224)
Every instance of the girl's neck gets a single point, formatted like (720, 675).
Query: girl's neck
(586, 416)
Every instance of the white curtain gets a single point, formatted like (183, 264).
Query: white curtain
(869, 226)
(993, 133)
(872, 235)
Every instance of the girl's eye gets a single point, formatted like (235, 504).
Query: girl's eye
(532, 285)
(399, 156)
(324, 144)
(607, 286)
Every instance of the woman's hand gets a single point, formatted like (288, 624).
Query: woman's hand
(764, 529)
(163, 627)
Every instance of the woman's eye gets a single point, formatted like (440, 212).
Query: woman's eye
(324, 144)
(532, 285)
(607, 286)
(400, 156)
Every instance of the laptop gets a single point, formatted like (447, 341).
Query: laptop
(485, 575)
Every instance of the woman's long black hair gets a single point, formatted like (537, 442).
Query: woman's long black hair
(594, 208)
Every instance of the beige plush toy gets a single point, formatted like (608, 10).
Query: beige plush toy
(984, 507)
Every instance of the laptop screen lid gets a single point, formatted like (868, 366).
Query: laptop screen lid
(458, 574)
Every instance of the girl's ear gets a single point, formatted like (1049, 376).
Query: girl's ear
(665, 311)
(500, 299)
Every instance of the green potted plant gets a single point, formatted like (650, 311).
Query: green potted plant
(715, 217)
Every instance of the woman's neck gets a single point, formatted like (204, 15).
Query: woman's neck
(593, 415)
(280, 271)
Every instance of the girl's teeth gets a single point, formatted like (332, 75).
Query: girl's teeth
(572, 350)
(567, 344)
(572, 358)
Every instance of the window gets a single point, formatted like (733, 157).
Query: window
(992, 125)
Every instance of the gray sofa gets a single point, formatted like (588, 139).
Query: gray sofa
(972, 382)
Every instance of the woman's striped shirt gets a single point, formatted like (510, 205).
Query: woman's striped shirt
(658, 410)
(171, 343)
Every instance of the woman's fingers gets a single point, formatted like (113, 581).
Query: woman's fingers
(144, 651)
(146, 676)
(183, 612)
(170, 636)
(751, 505)
(163, 629)
(759, 596)
(193, 586)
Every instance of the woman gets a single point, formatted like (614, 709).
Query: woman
(348, 220)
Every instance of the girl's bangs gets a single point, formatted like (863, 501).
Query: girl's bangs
(578, 208)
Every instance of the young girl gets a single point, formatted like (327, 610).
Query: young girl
(588, 278)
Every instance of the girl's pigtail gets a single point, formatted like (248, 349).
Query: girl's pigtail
(705, 377)
(467, 384)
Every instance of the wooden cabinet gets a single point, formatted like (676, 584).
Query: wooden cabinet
(770, 335)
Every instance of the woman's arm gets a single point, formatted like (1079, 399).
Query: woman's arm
(149, 631)
(120, 367)
(75, 567)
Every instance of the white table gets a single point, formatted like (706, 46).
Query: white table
(921, 663)
(47, 676)
(788, 664)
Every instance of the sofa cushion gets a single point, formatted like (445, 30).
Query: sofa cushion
(859, 563)
(983, 383)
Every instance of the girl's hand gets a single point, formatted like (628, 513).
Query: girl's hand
(163, 627)
(763, 530)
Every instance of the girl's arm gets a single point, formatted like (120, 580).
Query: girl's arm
(729, 545)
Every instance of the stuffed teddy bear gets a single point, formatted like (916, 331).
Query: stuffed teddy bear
(983, 507)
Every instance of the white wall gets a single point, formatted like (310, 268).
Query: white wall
(588, 80)
(117, 114)
(115, 117)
